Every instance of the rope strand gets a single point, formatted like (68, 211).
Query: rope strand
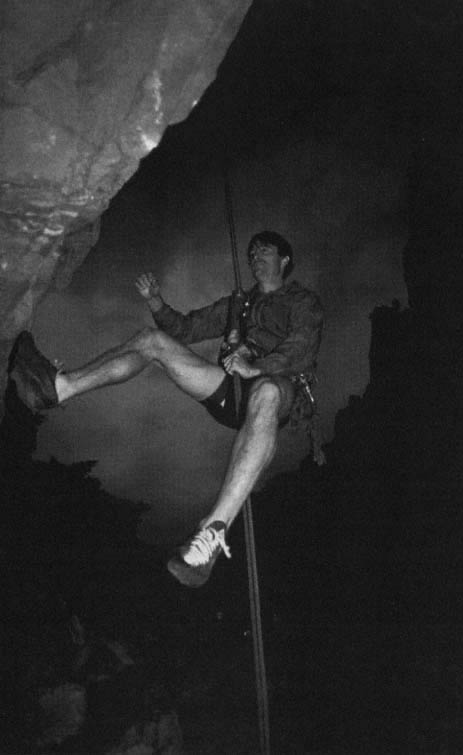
(257, 636)
(253, 578)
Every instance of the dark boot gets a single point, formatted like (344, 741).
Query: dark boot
(33, 374)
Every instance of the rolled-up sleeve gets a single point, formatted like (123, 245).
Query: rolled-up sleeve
(298, 352)
(197, 325)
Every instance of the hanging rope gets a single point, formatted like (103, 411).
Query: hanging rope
(253, 578)
(257, 638)
(231, 230)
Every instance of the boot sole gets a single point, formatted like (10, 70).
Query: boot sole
(186, 575)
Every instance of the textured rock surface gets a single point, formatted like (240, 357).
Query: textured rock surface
(87, 89)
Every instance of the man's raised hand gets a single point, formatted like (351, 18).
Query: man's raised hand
(147, 286)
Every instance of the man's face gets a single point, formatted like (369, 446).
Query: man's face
(265, 262)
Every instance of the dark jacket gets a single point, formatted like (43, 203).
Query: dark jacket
(282, 328)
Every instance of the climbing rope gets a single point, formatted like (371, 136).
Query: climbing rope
(231, 230)
(253, 577)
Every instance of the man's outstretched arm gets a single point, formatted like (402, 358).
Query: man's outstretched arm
(198, 325)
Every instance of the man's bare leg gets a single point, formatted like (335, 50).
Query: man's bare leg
(253, 450)
(114, 366)
(191, 373)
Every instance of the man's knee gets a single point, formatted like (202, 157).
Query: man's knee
(264, 397)
(151, 342)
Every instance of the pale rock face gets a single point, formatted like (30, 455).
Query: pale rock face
(87, 89)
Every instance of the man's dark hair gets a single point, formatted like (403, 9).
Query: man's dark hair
(283, 247)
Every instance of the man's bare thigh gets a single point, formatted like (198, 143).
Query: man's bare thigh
(193, 374)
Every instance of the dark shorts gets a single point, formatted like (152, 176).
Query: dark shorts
(222, 406)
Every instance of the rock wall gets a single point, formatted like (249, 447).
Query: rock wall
(87, 89)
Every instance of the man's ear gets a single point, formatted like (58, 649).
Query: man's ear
(285, 260)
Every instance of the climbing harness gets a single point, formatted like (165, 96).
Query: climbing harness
(253, 578)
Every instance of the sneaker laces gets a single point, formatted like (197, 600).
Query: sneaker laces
(203, 546)
(59, 366)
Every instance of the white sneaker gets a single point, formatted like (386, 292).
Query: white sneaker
(192, 565)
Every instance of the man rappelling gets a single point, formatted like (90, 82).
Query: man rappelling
(270, 364)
